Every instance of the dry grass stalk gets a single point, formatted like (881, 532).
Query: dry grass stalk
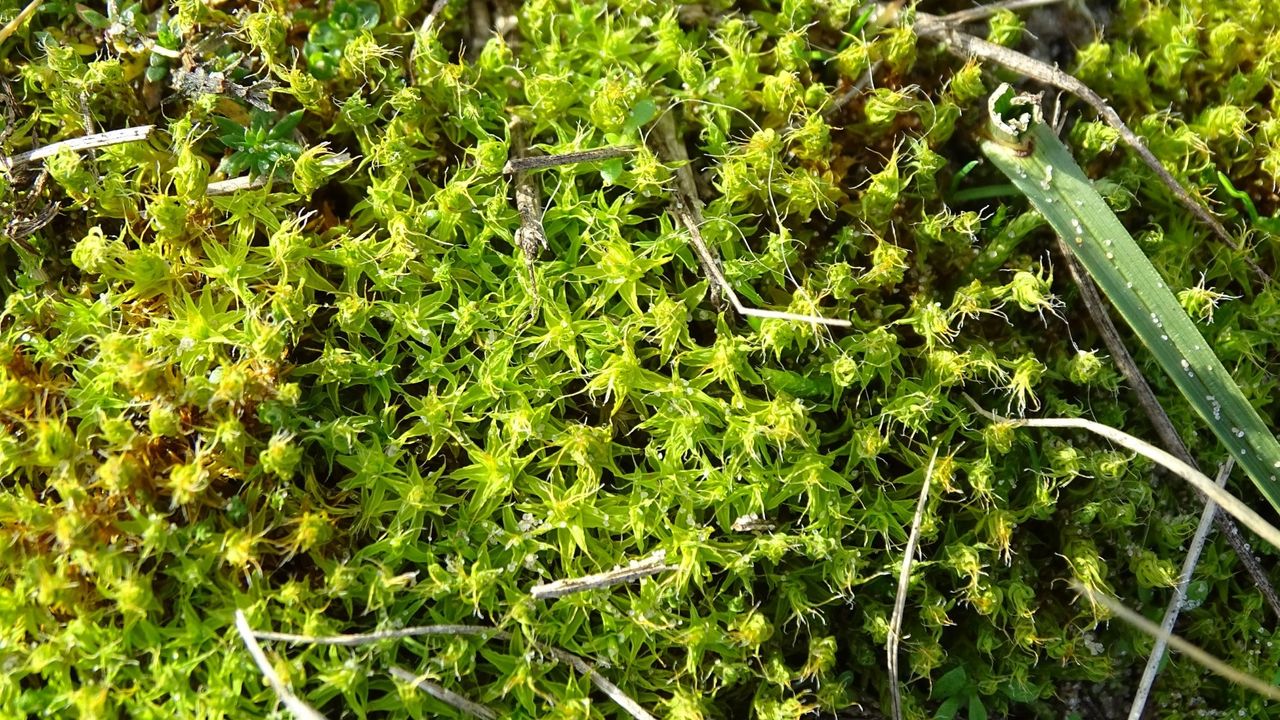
(1139, 705)
(1204, 659)
(300, 709)
(900, 602)
(687, 209)
(444, 695)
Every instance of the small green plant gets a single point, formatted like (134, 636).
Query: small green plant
(264, 145)
(957, 692)
(329, 37)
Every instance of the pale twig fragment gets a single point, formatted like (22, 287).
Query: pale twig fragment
(752, 523)
(198, 81)
(87, 142)
(1227, 501)
(444, 695)
(373, 637)
(900, 602)
(521, 163)
(687, 209)
(582, 666)
(633, 571)
(299, 708)
(1204, 659)
(1139, 705)
(236, 184)
(602, 683)
(254, 182)
(424, 31)
(530, 237)
(964, 45)
(430, 20)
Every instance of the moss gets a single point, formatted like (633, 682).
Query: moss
(333, 401)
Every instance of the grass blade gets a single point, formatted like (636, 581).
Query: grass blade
(1028, 152)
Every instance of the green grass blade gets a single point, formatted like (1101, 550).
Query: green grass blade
(1029, 153)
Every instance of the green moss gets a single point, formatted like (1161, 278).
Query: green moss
(334, 402)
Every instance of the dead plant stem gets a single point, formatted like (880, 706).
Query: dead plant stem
(900, 602)
(1179, 598)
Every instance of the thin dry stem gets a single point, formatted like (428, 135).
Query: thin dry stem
(430, 20)
(1179, 597)
(13, 25)
(687, 209)
(373, 637)
(540, 162)
(86, 142)
(235, 185)
(443, 694)
(296, 706)
(530, 237)
(1227, 501)
(1160, 419)
(582, 666)
(601, 682)
(428, 23)
(900, 602)
(965, 46)
(636, 570)
(1204, 659)
(858, 88)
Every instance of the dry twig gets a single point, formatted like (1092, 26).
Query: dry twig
(1227, 501)
(1206, 660)
(582, 666)
(430, 20)
(235, 185)
(900, 602)
(982, 12)
(522, 163)
(530, 237)
(444, 695)
(299, 708)
(858, 88)
(87, 142)
(18, 19)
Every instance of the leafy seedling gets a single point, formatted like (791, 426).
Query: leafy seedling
(958, 691)
(261, 146)
(329, 37)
